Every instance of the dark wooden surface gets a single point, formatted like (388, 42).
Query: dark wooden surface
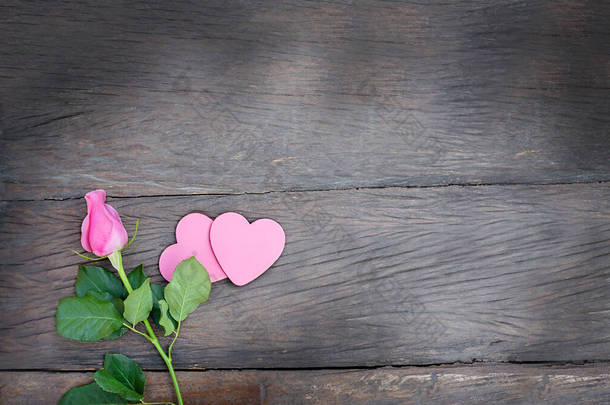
(441, 170)
(221, 96)
(505, 384)
(368, 277)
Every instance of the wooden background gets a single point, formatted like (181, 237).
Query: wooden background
(440, 168)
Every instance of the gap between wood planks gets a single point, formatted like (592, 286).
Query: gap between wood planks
(474, 362)
(297, 190)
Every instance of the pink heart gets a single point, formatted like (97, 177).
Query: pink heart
(244, 250)
(193, 237)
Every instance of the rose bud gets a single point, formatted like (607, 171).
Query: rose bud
(102, 231)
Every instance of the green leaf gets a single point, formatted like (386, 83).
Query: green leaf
(118, 304)
(190, 286)
(166, 321)
(125, 371)
(90, 394)
(116, 334)
(100, 280)
(86, 318)
(136, 277)
(157, 294)
(110, 384)
(139, 303)
(102, 296)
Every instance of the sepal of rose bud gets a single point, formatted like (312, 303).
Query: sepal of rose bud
(102, 231)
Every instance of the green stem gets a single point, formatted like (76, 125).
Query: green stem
(131, 328)
(170, 368)
(87, 257)
(117, 262)
(171, 345)
(134, 235)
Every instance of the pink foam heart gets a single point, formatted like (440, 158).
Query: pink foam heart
(193, 237)
(244, 250)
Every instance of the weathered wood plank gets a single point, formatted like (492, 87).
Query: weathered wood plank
(234, 96)
(506, 384)
(368, 277)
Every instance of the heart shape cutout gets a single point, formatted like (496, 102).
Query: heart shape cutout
(193, 239)
(245, 250)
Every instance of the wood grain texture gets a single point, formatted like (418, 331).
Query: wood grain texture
(505, 384)
(151, 98)
(389, 276)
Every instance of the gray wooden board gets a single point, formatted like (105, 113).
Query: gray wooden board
(389, 276)
(500, 384)
(150, 98)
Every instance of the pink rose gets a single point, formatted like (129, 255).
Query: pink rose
(102, 231)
